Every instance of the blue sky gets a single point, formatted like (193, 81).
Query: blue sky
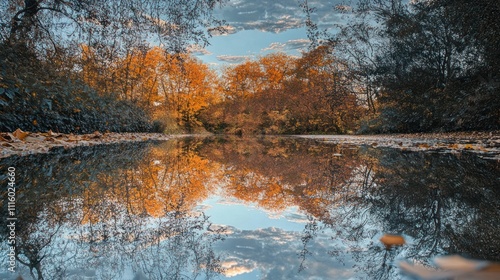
(260, 27)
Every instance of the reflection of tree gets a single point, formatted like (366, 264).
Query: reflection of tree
(111, 208)
(446, 203)
(129, 206)
(439, 200)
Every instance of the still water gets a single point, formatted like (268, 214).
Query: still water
(235, 208)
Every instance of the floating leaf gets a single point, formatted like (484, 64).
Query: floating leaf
(390, 240)
(459, 263)
(421, 272)
(453, 267)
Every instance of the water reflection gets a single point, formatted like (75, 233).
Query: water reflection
(137, 210)
(111, 212)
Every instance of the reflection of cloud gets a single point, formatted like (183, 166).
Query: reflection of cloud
(233, 58)
(274, 252)
(277, 15)
(289, 45)
(297, 218)
(237, 266)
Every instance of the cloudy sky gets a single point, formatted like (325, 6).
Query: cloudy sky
(260, 27)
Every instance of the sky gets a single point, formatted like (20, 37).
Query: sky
(260, 27)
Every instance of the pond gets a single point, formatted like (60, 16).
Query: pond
(243, 208)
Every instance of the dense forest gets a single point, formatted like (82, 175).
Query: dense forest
(82, 66)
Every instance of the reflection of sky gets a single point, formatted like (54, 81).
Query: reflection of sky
(272, 253)
(265, 245)
(247, 217)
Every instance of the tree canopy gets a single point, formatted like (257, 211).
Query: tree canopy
(115, 23)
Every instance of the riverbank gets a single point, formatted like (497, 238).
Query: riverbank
(486, 144)
(25, 143)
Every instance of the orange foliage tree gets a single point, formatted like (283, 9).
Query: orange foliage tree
(282, 94)
(187, 86)
(171, 87)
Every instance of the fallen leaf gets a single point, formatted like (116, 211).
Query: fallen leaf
(468, 147)
(71, 139)
(19, 134)
(390, 240)
(94, 135)
(453, 146)
(424, 145)
(53, 134)
(34, 139)
(421, 272)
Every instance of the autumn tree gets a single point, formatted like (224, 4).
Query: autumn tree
(243, 80)
(117, 69)
(282, 94)
(187, 86)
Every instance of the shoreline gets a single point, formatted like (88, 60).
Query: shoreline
(486, 144)
(25, 143)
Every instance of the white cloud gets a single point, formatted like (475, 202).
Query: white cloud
(298, 44)
(233, 58)
(223, 31)
(278, 15)
(198, 50)
(234, 267)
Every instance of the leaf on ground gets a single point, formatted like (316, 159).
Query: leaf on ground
(34, 138)
(96, 134)
(52, 134)
(424, 145)
(19, 134)
(71, 138)
(3, 139)
(390, 240)
(453, 146)
(468, 147)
